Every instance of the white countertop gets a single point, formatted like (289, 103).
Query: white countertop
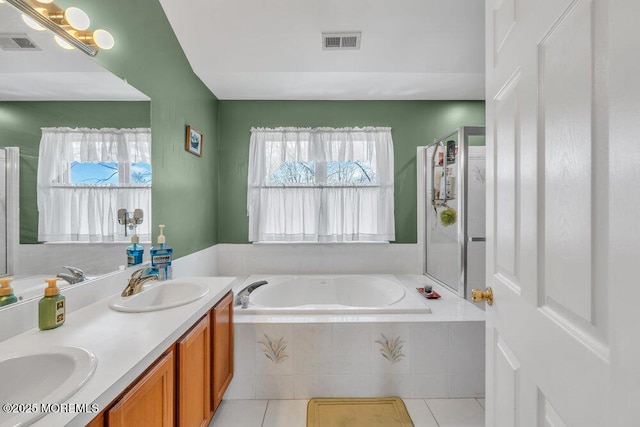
(125, 344)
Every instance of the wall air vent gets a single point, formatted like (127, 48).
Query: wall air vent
(17, 42)
(341, 41)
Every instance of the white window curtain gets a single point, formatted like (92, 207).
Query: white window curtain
(321, 185)
(89, 212)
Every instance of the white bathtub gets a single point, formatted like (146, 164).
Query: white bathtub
(331, 294)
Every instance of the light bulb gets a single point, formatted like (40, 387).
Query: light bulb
(77, 18)
(62, 43)
(103, 39)
(45, 1)
(32, 23)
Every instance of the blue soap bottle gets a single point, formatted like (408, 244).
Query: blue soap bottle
(135, 251)
(161, 255)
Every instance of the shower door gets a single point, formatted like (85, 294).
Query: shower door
(443, 251)
(455, 210)
(3, 212)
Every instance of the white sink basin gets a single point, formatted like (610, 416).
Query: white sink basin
(160, 296)
(46, 375)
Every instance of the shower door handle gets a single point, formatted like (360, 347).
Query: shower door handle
(477, 239)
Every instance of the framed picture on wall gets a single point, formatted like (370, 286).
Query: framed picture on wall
(194, 141)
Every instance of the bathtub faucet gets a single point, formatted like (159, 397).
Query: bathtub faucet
(248, 289)
(76, 275)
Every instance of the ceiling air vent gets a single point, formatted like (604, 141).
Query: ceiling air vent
(341, 41)
(15, 42)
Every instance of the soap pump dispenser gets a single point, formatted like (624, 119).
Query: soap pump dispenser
(51, 308)
(161, 255)
(135, 251)
(6, 292)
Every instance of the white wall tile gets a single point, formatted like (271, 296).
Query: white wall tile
(351, 348)
(351, 385)
(231, 260)
(311, 259)
(391, 331)
(309, 386)
(274, 387)
(391, 385)
(244, 354)
(201, 263)
(243, 259)
(466, 347)
(429, 347)
(274, 332)
(430, 385)
(312, 348)
(468, 384)
(241, 387)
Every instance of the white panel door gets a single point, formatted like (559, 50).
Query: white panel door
(557, 341)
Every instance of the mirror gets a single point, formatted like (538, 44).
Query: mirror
(43, 85)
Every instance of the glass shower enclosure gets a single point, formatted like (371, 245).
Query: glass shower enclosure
(9, 190)
(455, 210)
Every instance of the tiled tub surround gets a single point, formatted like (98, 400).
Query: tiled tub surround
(435, 355)
(331, 294)
(323, 258)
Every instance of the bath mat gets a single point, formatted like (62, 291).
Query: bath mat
(358, 412)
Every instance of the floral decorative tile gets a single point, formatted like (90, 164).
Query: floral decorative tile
(274, 350)
(391, 349)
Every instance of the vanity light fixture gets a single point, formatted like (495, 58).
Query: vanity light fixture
(71, 25)
(31, 23)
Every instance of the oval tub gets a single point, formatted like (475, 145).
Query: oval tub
(331, 294)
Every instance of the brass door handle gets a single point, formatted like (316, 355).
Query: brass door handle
(480, 295)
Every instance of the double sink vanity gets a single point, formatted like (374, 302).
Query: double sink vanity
(163, 356)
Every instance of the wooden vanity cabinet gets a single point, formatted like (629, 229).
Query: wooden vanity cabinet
(194, 375)
(150, 402)
(221, 348)
(186, 384)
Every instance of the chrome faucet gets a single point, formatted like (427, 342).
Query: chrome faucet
(138, 279)
(248, 289)
(76, 275)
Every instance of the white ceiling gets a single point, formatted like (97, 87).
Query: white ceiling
(271, 49)
(54, 73)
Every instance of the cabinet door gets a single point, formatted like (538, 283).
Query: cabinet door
(222, 321)
(194, 377)
(151, 400)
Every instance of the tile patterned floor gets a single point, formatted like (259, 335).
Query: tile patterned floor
(293, 413)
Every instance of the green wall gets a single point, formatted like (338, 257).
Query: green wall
(20, 124)
(413, 123)
(148, 55)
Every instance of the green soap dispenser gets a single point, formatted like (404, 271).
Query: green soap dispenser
(51, 308)
(6, 292)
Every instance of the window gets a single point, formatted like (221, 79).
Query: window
(85, 176)
(321, 185)
(83, 173)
